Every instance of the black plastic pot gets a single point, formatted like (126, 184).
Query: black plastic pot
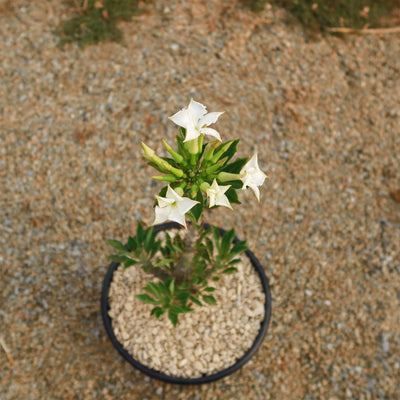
(188, 381)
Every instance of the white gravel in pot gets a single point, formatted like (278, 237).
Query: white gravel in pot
(205, 341)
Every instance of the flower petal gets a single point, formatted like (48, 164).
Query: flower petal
(196, 110)
(185, 205)
(222, 200)
(211, 132)
(162, 215)
(191, 133)
(164, 202)
(181, 118)
(256, 191)
(177, 216)
(172, 196)
(209, 119)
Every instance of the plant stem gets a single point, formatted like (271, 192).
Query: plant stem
(184, 267)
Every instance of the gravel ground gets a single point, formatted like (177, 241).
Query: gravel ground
(324, 117)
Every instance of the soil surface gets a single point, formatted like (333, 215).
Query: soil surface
(324, 117)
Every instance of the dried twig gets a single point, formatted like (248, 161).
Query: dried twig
(373, 31)
(5, 348)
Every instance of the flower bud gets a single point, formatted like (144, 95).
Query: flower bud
(219, 164)
(176, 156)
(223, 149)
(227, 176)
(164, 178)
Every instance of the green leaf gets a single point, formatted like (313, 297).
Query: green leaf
(132, 244)
(236, 166)
(227, 241)
(171, 286)
(153, 289)
(209, 245)
(209, 289)
(181, 148)
(198, 208)
(146, 299)
(140, 233)
(163, 289)
(163, 262)
(157, 311)
(183, 298)
(215, 278)
(195, 300)
(217, 237)
(149, 239)
(230, 270)
(116, 244)
(232, 195)
(238, 248)
(129, 262)
(118, 259)
(155, 247)
(163, 191)
(180, 309)
(209, 299)
(173, 317)
(231, 150)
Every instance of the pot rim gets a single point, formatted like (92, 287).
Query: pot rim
(206, 378)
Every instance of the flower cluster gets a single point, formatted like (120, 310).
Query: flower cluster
(199, 175)
(200, 168)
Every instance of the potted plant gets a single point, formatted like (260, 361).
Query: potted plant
(191, 303)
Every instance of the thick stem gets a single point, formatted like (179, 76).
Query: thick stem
(156, 272)
(184, 267)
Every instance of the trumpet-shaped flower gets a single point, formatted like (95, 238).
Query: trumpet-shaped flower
(252, 176)
(173, 207)
(195, 119)
(216, 194)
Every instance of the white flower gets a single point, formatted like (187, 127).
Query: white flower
(173, 207)
(195, 120)
(217, 196)
(252, 176)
